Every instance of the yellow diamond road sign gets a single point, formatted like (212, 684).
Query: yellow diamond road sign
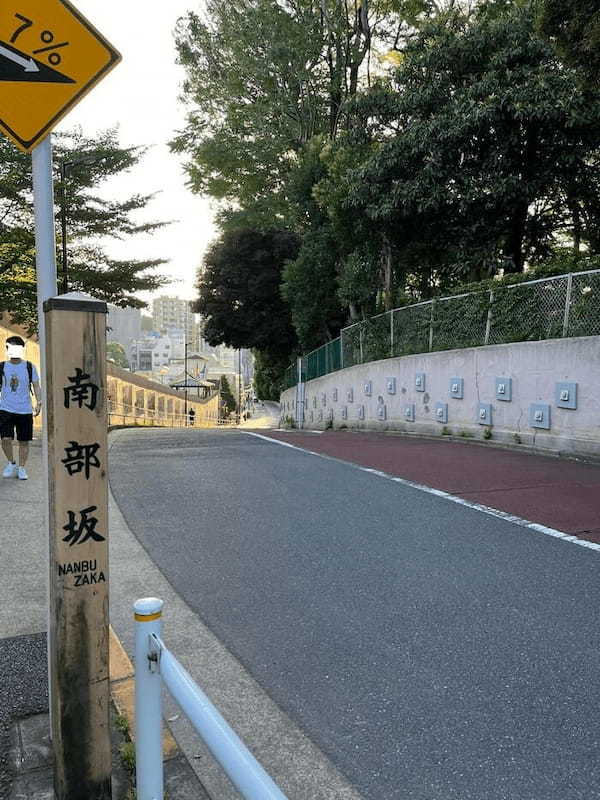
(50, 57)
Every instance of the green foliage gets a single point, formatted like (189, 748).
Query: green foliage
(483, 150)
(122, 724)
(239, 294)
(127, 751)
(470, 151)
(228, 402)
(574, 27)
(89, 217)
(309, 287)
(487, 433)
(116, 353)
(262, 79)
(269, 371)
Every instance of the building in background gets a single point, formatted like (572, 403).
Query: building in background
(174, 313)
(124, 325)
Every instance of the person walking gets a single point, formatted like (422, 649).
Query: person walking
(18, 378)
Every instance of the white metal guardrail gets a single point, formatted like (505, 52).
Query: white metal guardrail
(155, 665)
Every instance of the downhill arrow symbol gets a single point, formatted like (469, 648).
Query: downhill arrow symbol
(18, 66)
(28, 64)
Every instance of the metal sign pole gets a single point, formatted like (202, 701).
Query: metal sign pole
(45, 261)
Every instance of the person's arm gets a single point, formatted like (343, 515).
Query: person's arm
(38, 399)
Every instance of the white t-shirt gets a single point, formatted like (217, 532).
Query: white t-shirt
(14, 392)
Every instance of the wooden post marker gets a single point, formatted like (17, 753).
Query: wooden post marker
(78, 515)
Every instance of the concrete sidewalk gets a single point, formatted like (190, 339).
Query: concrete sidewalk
(294, 762)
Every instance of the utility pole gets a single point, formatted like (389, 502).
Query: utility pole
(64, 168)
(185, 378)
(239, 414)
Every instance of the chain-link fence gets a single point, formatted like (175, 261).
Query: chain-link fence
(323, 360)
(290, 377)
(584, 305)
(549, 308)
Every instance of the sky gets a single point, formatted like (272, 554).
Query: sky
(140, 97)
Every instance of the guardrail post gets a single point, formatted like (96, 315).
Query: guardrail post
(148, 705)
(567, 304)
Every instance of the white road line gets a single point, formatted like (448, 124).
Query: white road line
(492, 512)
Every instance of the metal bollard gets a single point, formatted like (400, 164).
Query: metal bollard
(148, 704)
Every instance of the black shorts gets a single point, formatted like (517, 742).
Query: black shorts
(21, 423)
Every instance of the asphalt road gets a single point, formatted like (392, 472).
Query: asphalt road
(431, 651)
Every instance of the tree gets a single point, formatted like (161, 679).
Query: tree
(239, 295)
(240, 298)
(90, 217)
(262, 79)
(482, 153)
(574, 26)
(228, 404)
(116, 353)
(310, 289)
(268, 375)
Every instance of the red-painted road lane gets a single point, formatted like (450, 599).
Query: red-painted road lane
(551, 491)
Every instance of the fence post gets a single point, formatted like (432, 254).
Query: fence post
(300, 395)
(488, 324)
(148, 705)
(392, 333)
(431, 318)
(567, 305)
(360, 343)
(342, 349)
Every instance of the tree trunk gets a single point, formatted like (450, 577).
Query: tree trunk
(518, 216)
(514, 242)
(576, 227)
(387, 272)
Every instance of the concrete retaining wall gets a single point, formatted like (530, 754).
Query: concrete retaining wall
(530, 372)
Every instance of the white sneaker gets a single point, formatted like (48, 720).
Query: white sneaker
(22, 474)
(9, 470)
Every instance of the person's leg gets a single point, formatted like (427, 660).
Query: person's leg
(24, 435)
(23, 453)
(7, 448)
